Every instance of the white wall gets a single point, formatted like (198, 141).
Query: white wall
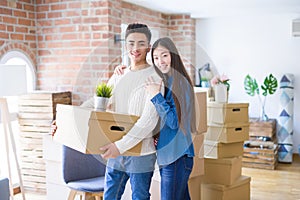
(256, 45)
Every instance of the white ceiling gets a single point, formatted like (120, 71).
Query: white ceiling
(217, 8)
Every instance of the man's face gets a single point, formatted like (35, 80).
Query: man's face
(137, 47)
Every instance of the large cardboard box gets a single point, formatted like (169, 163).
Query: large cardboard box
(228, 133)
(86, 130)
(216, 150)
(201, 111)
(195, 187)
(223, 170)
(240, 190)
(198, 142)
(227, 112)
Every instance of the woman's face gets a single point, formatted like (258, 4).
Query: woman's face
(162, 59)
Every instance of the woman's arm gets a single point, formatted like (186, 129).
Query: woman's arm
(165, 108)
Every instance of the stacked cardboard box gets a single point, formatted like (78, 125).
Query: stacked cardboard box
(261, 151)
(36, 112)
(228, 128)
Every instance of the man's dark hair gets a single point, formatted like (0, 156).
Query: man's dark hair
(138, 28)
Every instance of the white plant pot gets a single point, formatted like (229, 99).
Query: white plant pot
(221, 93)
(100, 103)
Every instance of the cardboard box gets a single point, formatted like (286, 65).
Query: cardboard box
(216, 150)
(201, 111)
(223, 171)
(228, 133)
(198, 142)
(195, 187)
(240, 190)
(227, 112)
(86, 130)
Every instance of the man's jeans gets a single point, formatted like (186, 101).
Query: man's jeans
(174, 179)
(139, 171)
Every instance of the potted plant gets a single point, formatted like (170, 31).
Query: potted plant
(102, 94)
(268, 87)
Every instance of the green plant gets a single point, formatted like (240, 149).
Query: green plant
(269, 87)
(103, 90)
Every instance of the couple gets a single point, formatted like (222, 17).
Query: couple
(162, 95)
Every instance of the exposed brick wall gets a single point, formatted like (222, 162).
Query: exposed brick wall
(75, 44)
(182, 31)
(71, 43)
(18, 28)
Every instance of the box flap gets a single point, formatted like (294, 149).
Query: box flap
(241, 181)
(112, 116)
(226, 161)
(229, 125)
(227, 105)
(220, 144)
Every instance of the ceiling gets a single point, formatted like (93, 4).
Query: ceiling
(218, 8)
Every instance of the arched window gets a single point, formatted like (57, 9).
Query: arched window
(18, 58)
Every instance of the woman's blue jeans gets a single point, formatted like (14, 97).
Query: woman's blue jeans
(174, 179)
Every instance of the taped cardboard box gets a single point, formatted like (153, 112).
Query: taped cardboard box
(224, 171)
(227, 112)
(216, 150)
(86, 130)
(228, 133)
(201, 111)
(240, 190)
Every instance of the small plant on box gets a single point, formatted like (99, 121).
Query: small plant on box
(103, 92)
(269, 87)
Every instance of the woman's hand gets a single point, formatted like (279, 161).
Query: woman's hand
(119, 70)
(155, 141)
(53, 128)
(152, 87)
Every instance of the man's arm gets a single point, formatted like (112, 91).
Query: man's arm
(142, 128)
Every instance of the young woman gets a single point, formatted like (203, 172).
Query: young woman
(176, 109)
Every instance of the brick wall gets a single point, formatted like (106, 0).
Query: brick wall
(71, 43)
(18, 27)
(182, 31)
(76, 48)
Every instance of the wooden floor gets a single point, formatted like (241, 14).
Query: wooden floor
(280, 184)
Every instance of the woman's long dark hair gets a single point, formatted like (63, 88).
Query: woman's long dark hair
(182, 88)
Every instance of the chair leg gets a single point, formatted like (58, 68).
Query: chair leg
(72, 195)
(87, 196)
(98, 197)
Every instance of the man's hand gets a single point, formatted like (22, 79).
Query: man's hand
(110, 151)
(152, 87)
(119, 70)
(53, 128)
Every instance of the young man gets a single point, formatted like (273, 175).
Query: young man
(129, 96)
